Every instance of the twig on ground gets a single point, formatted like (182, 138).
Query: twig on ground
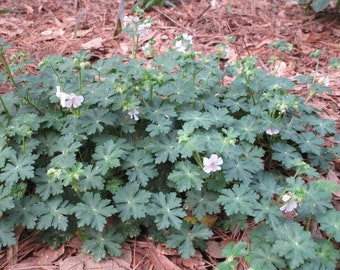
(200, 15)
(172, 20)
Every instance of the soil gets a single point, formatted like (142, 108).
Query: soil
(42, 28)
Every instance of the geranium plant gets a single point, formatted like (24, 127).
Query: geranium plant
(101, 149)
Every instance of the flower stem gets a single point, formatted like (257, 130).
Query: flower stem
(80, 81)
(4, 106)
(7, 69)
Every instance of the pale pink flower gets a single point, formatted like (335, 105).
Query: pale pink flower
(290, 204)
(69, 100)
(212, 164)
(324, 81)
(272, 131)
(134, 114)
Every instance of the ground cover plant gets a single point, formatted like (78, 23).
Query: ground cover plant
(105, 149)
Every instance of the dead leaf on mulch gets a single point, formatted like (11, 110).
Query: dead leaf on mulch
(85, 262)
(215, 248)
(93, 44)
(331, 176)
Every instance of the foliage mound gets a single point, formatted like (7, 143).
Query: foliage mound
(103, 150)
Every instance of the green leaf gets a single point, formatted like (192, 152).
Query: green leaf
(220, 117)
(285, 153)
(323, 126)
(5, 150)
(238, 250)
(131, 201)
(48, 183)
(186, 176)
(98, 244)
(183, 238)
(179, 91)
(267, 184)
(309, 143)
(330, 222)
(316, 201)
(304, 79)
(202, 203)
(248, 128)
(68, 147)
(6, 200)
(165, 147)
(23, 125)
(241, 199)
(262, 256)
(326, 257)
(7, 237)
(94, 120)
(91, 179)
(159, 128)
(140, 167)
(268, 212)
(93, 211)
(167, 209)
(159, 111)
(193, 143)
(108, 154)
(53, 213)
(319, 5)
(19, 167)
(295, 244)
(237, 169)
(196, 119)
(23, 213)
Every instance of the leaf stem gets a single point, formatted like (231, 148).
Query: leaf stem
(198, 159)
(308, 222)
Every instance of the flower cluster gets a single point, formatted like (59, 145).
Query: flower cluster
(134, 23)
(69, 100)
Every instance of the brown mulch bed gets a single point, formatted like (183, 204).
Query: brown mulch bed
(42, 28)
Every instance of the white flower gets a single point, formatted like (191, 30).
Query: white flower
(183, 42)
(134, 114)
(134, 23)
(69, 100)
(187, 38)
(324, 81)
(179, 46)
(290, 204)
(144, 29)
(130, 21)
(272, 131)
(212, 164)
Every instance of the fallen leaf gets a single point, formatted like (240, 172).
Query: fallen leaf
(159, 261)
(93, 44)
(48, 255)
(215, 248)
(331, 176)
